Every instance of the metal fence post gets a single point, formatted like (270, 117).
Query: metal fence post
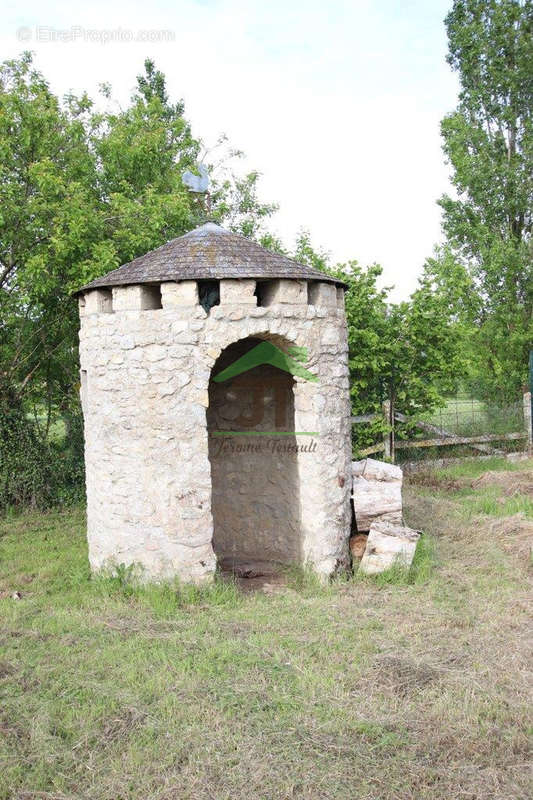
(527, 420)
(388, 437)
(393, 431)
(528, 407)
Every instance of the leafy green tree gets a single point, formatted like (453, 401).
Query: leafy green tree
(236, 204)
(488, 143)
(81, 192)
(49, 204)
(410, 353)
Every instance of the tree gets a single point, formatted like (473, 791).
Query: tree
(81, 192)
(488, 143)
(409, 352)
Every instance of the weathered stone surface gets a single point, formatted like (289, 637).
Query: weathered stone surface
(284, 291)
(358, 545)
(323, 294)
(99, 301)
(146, 391)
(184, 293)
(377, 492)
(235, 291)
(135, 298)
(388, 544)
(375, 470)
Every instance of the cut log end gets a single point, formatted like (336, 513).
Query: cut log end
(388, 545)
(358, 545)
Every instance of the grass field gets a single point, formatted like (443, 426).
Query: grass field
(411, 686)
(465, 416)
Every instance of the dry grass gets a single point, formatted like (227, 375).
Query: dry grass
(417, 689)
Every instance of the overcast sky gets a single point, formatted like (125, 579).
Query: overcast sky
(336, 103)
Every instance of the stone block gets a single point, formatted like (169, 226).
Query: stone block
(136, 298)
(97, 301)
(358, 544)
(330, 335)
(377, 492)
(323, 294)
(283, 291)
(182, 293)
(238, 292)
(375, 470)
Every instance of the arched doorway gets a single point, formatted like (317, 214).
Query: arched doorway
(254, 461)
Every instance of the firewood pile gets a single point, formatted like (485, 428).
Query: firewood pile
(381, 539)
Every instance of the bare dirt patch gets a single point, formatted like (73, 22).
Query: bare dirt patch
(515, 534)
(6, 669)
(512, 482)
(403, 675)
(432, 480)
(256, 576)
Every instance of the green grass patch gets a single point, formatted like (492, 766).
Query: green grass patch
(473, 468)
(114, 690)
(490, 501)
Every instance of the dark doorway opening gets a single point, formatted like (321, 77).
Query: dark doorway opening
(254, 467)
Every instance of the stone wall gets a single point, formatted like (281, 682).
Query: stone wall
(145, 379)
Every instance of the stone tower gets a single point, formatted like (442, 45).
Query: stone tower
(214, 386)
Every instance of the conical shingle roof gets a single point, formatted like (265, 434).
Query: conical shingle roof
(209, 252)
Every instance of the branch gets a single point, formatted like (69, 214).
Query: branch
(5, 272)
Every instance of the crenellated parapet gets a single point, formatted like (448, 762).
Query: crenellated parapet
(172, 294)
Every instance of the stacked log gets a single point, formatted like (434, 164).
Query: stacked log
(388, 545)
(382, 539)
(377, 493)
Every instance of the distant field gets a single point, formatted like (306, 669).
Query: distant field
(56, 431)
(413, 685)
(468, 417)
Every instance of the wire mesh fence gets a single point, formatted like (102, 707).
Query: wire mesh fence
(463, 426)
(462, 418)
(467, 416)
